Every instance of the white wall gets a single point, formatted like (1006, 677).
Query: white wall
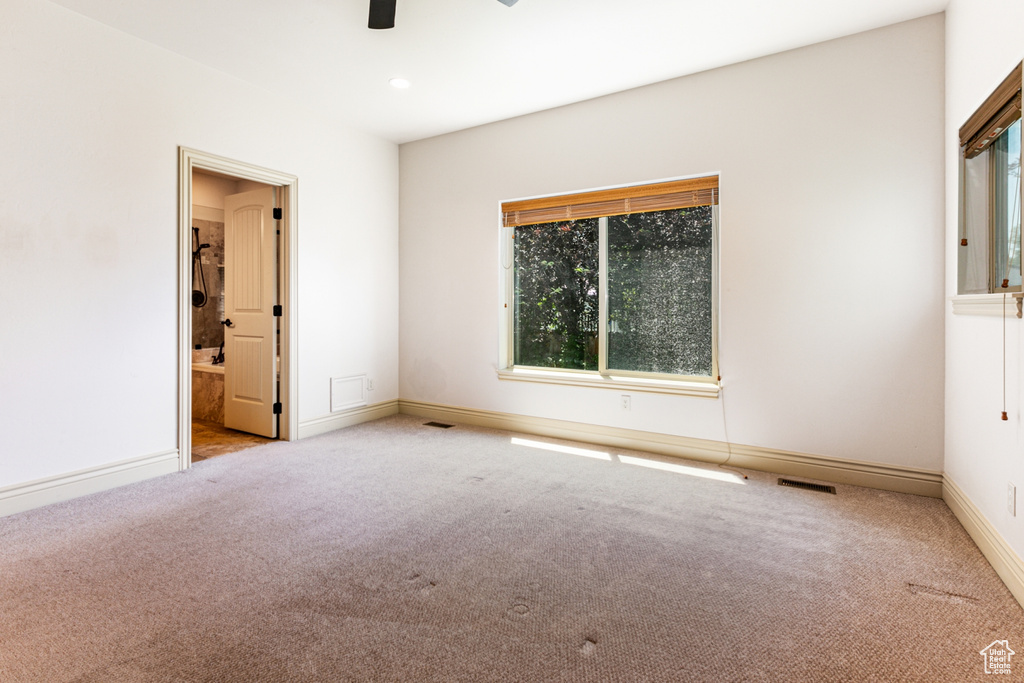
(832, 259)
(89, 130)
(983, 43)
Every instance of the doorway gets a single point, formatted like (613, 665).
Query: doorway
(237, 236)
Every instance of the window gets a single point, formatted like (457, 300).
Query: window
(614, 283)
(990, 193)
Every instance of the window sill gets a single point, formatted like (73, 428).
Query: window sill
(707, 389)
(988, 304)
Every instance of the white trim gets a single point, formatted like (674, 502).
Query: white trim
(985, 304)
(708, 389)
(188, 160)
(859, 473)
(184, 416)
(34, 494)
(348, 418)
(602, 297)
(1007, 563)
(716, 279)
(506, 293)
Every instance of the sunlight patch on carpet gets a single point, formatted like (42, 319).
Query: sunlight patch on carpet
(681, 469)
(630, 460)
(558, 448)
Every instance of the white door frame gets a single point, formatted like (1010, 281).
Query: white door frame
(189, 160)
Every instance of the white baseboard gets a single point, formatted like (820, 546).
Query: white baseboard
(1008, 564)
(874, 475)
(347, 418)
(33, 494)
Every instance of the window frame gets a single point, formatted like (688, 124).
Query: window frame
(994, 215)
(668, 383)
(996, 115)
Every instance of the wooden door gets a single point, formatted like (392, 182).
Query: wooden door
(250, 292)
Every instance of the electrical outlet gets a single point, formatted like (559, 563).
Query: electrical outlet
(369, 384)
(625, 401)
(1011, 499)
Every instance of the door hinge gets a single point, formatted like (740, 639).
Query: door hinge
(277, 408)
(278, 214)
(277, 311)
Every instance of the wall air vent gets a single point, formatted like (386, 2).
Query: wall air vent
(442, 425)
(807, 485)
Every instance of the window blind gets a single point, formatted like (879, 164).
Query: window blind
(1002, 108)
(676, 194)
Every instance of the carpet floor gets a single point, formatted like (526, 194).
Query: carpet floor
(393, 551)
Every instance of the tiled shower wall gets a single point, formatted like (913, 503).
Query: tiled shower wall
(207, 332)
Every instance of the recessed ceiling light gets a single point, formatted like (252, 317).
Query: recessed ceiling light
(400, 83)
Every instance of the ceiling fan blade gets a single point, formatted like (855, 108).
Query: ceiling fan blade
(508, 3)
(382, 13)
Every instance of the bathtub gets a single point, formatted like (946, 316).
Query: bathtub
(208, 366)
(202, 361)
(207, 387)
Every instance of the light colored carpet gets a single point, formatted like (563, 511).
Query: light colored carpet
(391, 551)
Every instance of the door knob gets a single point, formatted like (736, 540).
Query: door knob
(227, 323)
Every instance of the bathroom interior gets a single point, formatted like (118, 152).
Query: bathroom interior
(209, 435)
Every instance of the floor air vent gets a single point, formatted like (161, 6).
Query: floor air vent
(442, 425)
(807, 485)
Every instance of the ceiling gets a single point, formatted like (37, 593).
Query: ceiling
(476, 61)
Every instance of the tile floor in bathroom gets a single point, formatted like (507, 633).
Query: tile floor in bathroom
(210, 439)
